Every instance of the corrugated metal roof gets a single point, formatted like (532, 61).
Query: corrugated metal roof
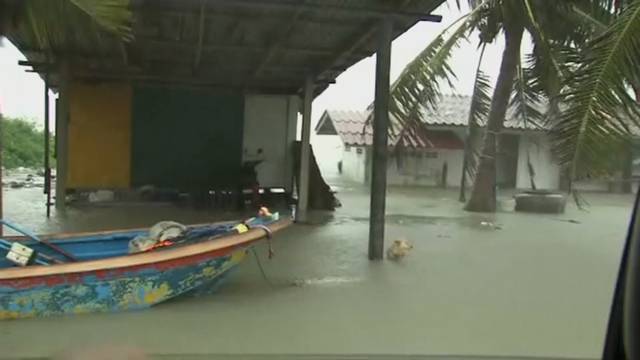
(247, 45)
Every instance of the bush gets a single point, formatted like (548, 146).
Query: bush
(23, 144)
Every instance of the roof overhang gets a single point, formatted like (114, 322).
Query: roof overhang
(267, 46)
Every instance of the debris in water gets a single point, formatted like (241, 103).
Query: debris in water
(326, 281)
(490, 225)
(399, 249)
(571, 221)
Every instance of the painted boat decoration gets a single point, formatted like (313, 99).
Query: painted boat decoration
(106, 278)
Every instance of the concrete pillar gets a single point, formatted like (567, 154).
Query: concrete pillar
(62, 137)
(305, 151)
(380, 141)
(1, 189)
(47, 146)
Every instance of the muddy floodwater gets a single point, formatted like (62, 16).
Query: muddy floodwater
(503, 284)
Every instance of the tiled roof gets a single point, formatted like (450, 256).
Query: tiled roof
(452, 111)
(350, 126)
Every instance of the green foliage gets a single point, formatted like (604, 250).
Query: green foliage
(600, 109)
(52, 25)
(23, 144)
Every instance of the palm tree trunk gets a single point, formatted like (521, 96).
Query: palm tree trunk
(471, 143)
(462, 196)
(483, 195)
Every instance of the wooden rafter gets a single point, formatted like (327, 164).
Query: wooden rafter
(351, 11)
(279, 42)
(201, 26)
(360, 40)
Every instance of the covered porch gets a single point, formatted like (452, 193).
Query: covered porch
(205, 87)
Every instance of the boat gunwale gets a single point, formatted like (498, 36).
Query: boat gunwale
(141, 259)
(68, 236)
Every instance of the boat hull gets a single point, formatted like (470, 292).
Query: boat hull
(114, 290)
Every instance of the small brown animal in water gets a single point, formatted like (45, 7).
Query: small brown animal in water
(399, 249)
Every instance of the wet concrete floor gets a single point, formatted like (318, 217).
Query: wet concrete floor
(535, 285)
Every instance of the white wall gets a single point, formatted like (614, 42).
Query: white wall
(354, 163)
(270, 125)
(547, 171)
(425, 168)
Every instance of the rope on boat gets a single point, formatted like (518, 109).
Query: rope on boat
(269, 236)
(264, 274)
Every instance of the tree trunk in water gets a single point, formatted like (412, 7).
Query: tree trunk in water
(463, 181)
(483, 195)
(532, 174)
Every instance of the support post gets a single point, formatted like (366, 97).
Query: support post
(380, 141)
(305, 152)
(47, 146)
(62, 138)
(1, 153)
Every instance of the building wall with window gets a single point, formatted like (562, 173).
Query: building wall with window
(425, 168)
(416, 168)
(536, 148)
(356, 163)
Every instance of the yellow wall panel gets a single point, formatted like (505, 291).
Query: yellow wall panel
(100, 136)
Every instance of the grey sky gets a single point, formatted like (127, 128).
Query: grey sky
(21, 92)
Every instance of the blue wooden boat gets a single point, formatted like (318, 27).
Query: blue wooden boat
(108, 279)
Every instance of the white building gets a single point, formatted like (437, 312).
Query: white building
(433, 156)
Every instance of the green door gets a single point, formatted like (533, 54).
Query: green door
(186, 139)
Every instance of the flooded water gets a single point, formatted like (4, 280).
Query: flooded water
(503, 284)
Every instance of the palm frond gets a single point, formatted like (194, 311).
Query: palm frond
(419, 84)
(554, 49)
(9, 10)
(53, 24)
(478, 112)
(526, 99)
(526, 104)
(597, 17)
(600, 111)
(113, 15)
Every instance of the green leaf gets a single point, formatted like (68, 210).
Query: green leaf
(478, 112)
(419, 84)
(526, 103)
(112, 15)
(600, 111)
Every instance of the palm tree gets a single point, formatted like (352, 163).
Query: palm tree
(554, 27)
(601, 96)
(111, 15)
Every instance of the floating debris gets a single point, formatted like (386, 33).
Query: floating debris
(490, 225)
(571, 221)
(325, 281)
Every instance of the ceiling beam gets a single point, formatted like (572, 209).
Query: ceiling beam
(352, 45)
(278, 43)
(352, 11)
(231, 47)
(196, 61)
(192, 80)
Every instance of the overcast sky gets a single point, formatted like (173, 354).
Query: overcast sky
(21, 92)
